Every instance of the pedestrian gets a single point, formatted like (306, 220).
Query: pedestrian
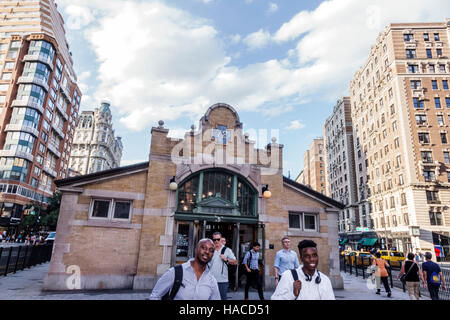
(218, 266)
(195, 283)
(305, 282)
(382, 272)
(223, 241)
(251, 266)
(433, 275)
(1, 238)
(285, 259)
(419, 257)
(413, 276)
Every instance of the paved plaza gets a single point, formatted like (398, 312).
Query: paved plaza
(27, 285)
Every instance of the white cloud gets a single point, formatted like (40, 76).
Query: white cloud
(257, 40)
(273, 7)
(124, 163)
(79, 16)
(295, 125)
(158, 62)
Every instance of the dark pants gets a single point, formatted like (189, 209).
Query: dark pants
(253, 277)
(223, 289)
(434, 291)
(385, 282)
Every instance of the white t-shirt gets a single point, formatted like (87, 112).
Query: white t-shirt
(310, 290)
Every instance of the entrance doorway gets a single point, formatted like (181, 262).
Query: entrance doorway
(239, 238)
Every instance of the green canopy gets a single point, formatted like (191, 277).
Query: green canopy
(369, 241)
(343, 241)
(362, 240)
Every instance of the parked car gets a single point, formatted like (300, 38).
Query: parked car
(51, 237)
(394, 258)
(358, 258)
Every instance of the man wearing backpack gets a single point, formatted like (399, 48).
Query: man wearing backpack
(252, 266)
(223, 257)
(433, 275)
(191, 280)
(305, 282)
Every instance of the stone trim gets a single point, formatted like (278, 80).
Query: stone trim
(303, 209)
(106, 224)
(113, 194)
(164, 212)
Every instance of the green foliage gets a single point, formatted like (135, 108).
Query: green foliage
(43, 218)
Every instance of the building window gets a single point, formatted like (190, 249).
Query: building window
(448, 176)
(421, 119)
(434, 84)
(413, 68)
(418, 104)
(408, 37)
(447, 102)
(445, 84)
(429, 54)
(426, 37)
(436, 37)
(410, 53)
(403, 199)
(447, 157)
(111, 209)
(443, 137)
(432, 196)
(442, 68)
(429, 176)
(440, 119)
(437, 102)
(435, 218)
(439, 52)
(431, 68)
(424, 137)
(303, 221)
(426, 156)
(416, 84)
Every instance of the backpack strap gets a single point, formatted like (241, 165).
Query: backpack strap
(294, 274)
(223, 252)
(177, 281)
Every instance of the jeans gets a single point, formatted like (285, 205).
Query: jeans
(434, 291)
(385, 282)
(223, 289)
(253, 277)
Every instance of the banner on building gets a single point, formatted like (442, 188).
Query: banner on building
(439, 251)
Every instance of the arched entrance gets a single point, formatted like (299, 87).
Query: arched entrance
(216, 200)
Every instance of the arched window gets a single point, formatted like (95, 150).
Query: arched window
(217, 192)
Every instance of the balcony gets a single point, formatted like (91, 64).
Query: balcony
(54, 150)
(41, 58)
(17, 153)
(62, 111)
(34, 80)
(58, 130)
(27, 103)
(66, 92)
(21, 127)
(49, 170)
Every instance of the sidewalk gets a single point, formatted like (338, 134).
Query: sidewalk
(27, 284)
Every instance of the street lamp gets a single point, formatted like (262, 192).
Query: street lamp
(265, 191)
(173, 185)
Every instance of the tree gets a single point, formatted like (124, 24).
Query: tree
(39, 217)
(50, 217)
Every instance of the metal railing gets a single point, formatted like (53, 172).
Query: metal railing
(17, 258)
(359, 268)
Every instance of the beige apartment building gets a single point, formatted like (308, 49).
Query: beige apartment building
(313, 173)
(39, 103)
(401, 116)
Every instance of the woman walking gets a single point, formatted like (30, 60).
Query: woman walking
(413, 276)
(382, 273)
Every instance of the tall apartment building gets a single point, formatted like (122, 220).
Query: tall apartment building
(340, 172)
(401, 116)
(313, 174)
(39, 102)
(95, 148)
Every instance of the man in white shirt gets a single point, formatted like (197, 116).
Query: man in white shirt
(218, 265)
(311, 284)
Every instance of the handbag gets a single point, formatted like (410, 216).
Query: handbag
(403, 277)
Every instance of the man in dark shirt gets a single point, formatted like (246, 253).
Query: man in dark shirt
(434, 276)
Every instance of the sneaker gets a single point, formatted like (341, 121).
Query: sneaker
(377, 292)
(389, 295)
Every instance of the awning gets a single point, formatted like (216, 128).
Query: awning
(362, 240)
(343, 241)
(369, 241)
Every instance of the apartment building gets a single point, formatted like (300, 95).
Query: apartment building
(313, 174)
(340, 173)
(39, 102)
(95, 147)
(401, 117)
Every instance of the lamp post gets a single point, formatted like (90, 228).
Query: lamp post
(266, 192)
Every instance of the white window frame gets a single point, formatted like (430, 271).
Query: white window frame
(315, 222)
(111, 208)
(302, 221)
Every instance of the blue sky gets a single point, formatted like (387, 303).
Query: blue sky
(282, 64)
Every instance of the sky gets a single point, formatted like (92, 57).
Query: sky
(282, 64)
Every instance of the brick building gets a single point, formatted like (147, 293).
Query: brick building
(313, 173)
(125, 227)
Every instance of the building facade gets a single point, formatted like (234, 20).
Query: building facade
(313, 173)
(341, 174)
(39, 103)
(401, 117)
(124, 227)
(95, 147)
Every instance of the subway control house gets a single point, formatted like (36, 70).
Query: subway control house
(123, 228)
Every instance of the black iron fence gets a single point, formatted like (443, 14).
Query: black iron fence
(360, 267)
(13, 259)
